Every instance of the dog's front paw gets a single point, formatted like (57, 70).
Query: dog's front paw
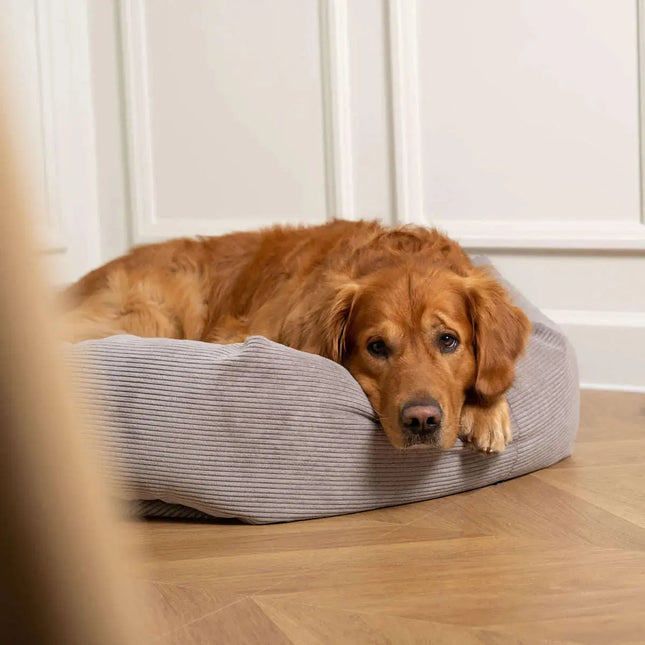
(487, 429)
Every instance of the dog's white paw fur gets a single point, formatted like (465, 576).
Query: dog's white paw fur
(487, 429)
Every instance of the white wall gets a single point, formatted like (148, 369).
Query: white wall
(45, 71)
(512, 124)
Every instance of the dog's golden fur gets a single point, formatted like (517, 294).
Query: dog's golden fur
(332, 290)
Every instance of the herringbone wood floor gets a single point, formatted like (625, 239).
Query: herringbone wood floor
(553, 557)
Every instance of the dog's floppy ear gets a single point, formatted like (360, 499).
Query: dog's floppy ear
(318, 324)
(336, 319)
(501, 331)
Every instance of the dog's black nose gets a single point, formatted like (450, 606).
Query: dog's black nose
(421, 417)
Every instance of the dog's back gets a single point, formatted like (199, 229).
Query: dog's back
(192, 288)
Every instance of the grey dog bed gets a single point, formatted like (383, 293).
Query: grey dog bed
(265, 433)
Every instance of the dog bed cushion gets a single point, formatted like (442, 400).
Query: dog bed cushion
(265, 433)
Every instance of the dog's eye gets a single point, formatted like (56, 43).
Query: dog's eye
(378, 348)
(448, 343)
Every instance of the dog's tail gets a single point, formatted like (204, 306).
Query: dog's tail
(92, 282)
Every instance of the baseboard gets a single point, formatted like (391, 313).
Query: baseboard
(613, 388)
(610, 346)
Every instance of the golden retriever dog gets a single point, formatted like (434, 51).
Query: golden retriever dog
(432, 340)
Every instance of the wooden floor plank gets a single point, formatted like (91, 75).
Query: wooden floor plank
(611, 416)
(173, 606)
(598, 454)
(553, 514)
(239, 622)
(319, 625)
(619, 490)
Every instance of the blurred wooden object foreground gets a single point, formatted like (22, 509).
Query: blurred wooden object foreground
(59, 568)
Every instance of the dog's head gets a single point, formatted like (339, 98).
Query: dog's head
(419, 340)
